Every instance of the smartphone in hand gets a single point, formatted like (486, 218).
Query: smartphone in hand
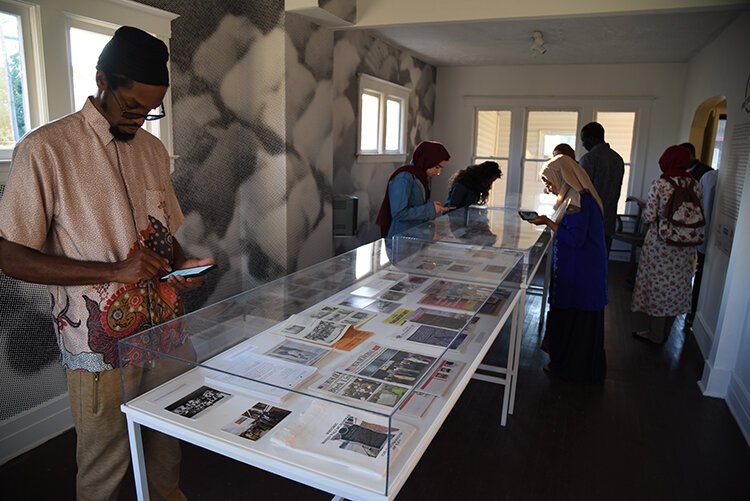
(527, 215)
(189, 272)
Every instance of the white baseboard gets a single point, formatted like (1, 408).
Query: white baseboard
(31, 428)
(715, 382)
(738, 400)
(704, 336)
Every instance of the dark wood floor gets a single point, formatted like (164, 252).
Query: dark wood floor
(646, 434)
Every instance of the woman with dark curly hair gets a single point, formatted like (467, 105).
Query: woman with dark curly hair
(472, 185)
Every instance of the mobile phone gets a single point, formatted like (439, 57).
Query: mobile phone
(189, 272)
(527, 215)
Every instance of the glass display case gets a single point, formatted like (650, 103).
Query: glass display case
(337, 376)
(488, 227)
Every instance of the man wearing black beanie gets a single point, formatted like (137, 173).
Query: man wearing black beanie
(89, 210)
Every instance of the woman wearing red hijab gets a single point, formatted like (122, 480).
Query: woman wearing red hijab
(663, 284)
(407, 197)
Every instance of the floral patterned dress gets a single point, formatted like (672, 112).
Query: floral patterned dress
(663, 286)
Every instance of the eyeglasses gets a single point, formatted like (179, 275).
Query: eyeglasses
(135, 116)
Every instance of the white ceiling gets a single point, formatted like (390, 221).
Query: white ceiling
(639, 38)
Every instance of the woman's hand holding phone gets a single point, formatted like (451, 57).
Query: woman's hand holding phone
(528, 215)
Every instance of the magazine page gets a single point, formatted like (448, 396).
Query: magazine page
(442, 378)
(417, 404)
(410, 284)
(346, 437)
(361, 389)
(351, 339)
(495, 303)
(373, 287)
(341, 314)
(261, 369)
(391, 365)
(324, 324)
(458, 295)
(297, 352)
(439, 318)
(313, 330)
(399, 316)
(256, 421)
(434, 336)
(382, 306)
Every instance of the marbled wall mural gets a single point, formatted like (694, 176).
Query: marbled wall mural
(309, 126)
(253, 198)
(359, 52)
(263, 111)
(228, 94)
(29, 367)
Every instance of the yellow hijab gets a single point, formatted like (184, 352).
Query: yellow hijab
(570, 180)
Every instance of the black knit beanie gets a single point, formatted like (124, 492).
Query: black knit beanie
(135, 54)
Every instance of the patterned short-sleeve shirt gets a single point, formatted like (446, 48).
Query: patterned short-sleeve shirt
(75, 191)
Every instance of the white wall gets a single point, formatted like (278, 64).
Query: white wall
(662, 83)
(722, 68)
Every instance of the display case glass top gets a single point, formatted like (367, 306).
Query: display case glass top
(488, 227)
(343, 371)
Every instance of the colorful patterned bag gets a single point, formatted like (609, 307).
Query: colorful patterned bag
(684, 223)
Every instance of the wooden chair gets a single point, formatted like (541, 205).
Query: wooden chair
(631, 229)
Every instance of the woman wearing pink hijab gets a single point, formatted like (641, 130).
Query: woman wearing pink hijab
(663, 283)
(407, 197)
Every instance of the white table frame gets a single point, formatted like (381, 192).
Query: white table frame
(510, 373)
(137, 418)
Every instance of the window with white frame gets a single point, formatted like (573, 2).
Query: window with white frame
(17, 78)
(382, 119)
(43, 78)
(519, 134)
(619, 132)
(492, 143)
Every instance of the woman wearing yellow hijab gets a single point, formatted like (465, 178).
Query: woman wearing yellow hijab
(578, 291)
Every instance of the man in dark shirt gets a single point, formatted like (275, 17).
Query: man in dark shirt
(606, 170)
(697, 168)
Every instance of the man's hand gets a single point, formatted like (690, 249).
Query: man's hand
(145, 264)
(182, 284)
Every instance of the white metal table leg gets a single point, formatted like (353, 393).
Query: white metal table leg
(509, 369)
(139, 463)
(516, 339)
(545, 291)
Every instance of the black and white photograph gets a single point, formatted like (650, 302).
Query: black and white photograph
(392, 296)
(197, 402)
(382, 306)
(256, 421)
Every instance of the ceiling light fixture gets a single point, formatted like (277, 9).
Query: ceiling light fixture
(537, 44)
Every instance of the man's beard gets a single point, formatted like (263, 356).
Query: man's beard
(120, 135)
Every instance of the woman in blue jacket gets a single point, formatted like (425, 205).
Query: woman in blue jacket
(407, 197)
(578, 291)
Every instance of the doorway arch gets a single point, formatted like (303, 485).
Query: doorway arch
(705, 123)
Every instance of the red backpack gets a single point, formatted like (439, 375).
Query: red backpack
(683, 224)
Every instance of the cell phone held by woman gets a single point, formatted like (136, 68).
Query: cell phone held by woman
(527, 215)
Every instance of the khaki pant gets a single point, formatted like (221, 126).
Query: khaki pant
(659, 328)
(103, 452)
